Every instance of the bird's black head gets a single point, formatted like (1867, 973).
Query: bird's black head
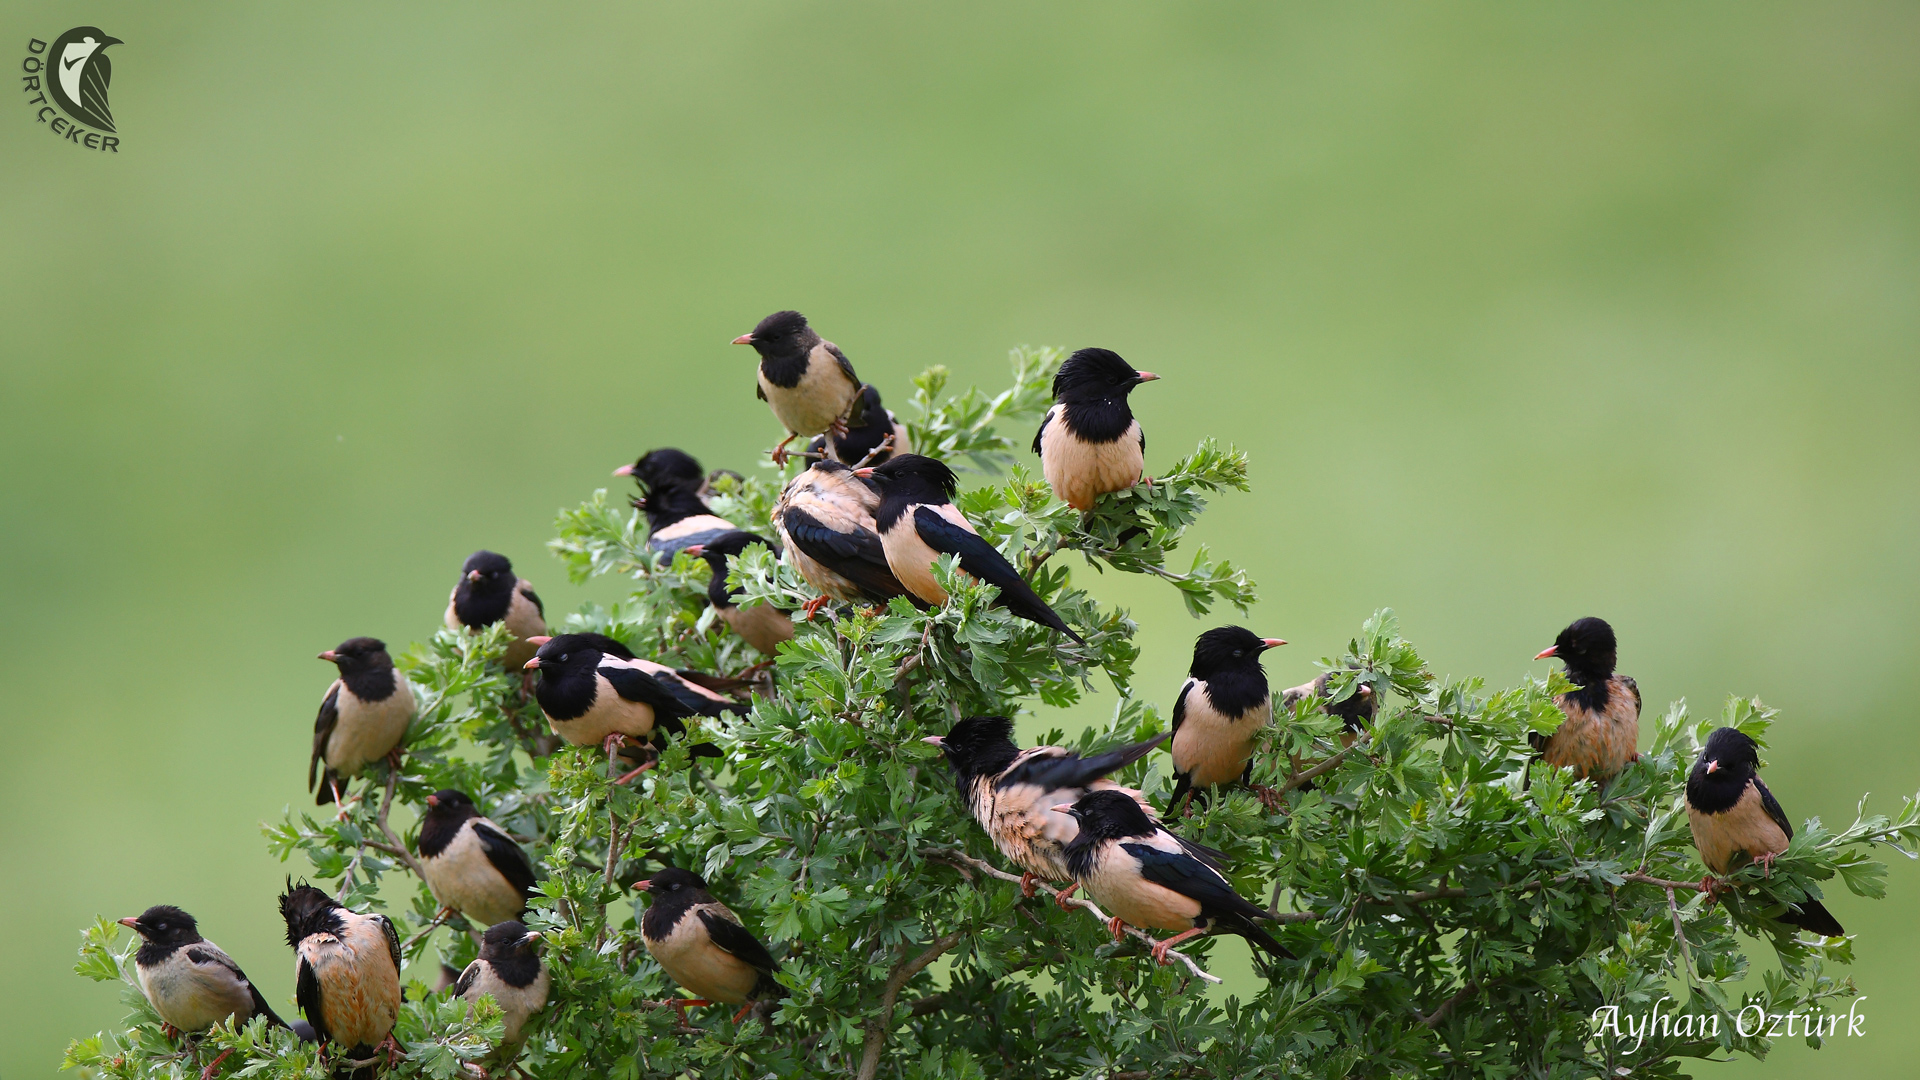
(164, 924)
(725, 546)
(1111, 815)
(505, 939)
(568, 652)
(1092, 374)
(665, 467)
(488, 572)
(782, 335)
(914, 478)
(1587, 648)
(1228, 648)
(978, 746)
(449, 804)
(359, 654)
(674, 885)
(1727, 763)
(307, 912)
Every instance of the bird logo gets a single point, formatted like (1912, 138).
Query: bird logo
(78, 74)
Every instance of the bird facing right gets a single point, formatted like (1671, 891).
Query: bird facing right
(1221, 710)
(1089, 443)
(1731, 812)
(1597, 738)
(509, 968)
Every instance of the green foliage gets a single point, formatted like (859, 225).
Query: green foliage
(1459, 909)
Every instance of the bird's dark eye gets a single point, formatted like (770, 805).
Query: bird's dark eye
(1239, 652)
(563, 658)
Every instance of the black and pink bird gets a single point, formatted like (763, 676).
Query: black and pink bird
(1089, 442)
(1602, 727)
(807, 381)
(763, 626)
(1221, 710)
(825, 521)
(1733, 814)
(595, 692)
(673, 491)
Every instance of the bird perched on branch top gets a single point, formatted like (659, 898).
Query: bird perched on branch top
(1011, 792)
(1598, 736)
(807, 381)
(673, 497)
(918, 523)
(1089, 443)
(363, 717)
(510, 969)
(1221, 709)
(825, 520)
(488, 593)
(866, 444)
(189, 981)
(762, 625)
(595, 692)
(347, 973)
(702, 945)
(471, 864)
(1147, 877)
(1732, 813)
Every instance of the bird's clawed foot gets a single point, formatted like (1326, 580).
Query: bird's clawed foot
(395, 1055)
(1159, 949)
(1063, 898)
(1271, 798)
(214, 1065)
(172, 1033)
(1114, 927)
(780, 455)
(838, 428)
(1027, 884)
(1710, 886)
(1766, 864)
(681, 1005)
(813, 606)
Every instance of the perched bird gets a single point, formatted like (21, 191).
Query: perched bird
(1011, 792)
(825, 522)
(807, 381)
(471, 864)
(1356, 710)
(1221, 709)
(702, 946)
(1089, 443)
(595, 692)
(866, 444)
(489, 593)
(1148, 878)
(1603, 711)
(347, 977)
(1731, 812)
(189, 981)
(918, 523)
(762, 625)
(672, 496)
(510, 969)
(362, 718)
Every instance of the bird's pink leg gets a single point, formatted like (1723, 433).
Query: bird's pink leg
(171, 1032)
(813, 606)
(1160, 948)
(780, 455)
(1027, 882)
(1114, 926)
(744, 1010)
(394, 1054)
(339, 802)
(214, 1065)
(1060, 898)
(1269, 797)
(1766, 864)
(681, 1005)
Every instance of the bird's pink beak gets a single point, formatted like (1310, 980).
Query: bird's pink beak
(1146, 376)
(1713, 767)
(1551, 650)
(643, 886)
(473, 575)
(697, 550)
(743, 339)
(531, 664)
(433, 800)
(130, 922)
(330, 656)
(536, 642)
(863, 473)
(624, 470)
(935, 740)
(1273, 642)
(1063, 808)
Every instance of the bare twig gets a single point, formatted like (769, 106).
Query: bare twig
(903, 972)
(1440, 1013)
(956, 859)
(1680, 935)
(396, 847)
(438, 919)
(1301, 778)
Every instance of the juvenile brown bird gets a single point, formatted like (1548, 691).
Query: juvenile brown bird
(1597, 738)
(762, 625)
(702, 945)
(1147, 877)
(866, 444)
(509, 968)
(595, 692)
(1089, 443)
(1732, 813)
(1221, 710)
(189, 980)
(807, 381)
(918, 523)
(471, 864)
(363, 717)
(673, 498)
(825, 522)
(488, 593)
(1011, 792)
(347, 973)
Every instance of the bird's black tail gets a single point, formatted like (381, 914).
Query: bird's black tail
(1814, 916)
(1033, 609)
(1098, 765)
(328, 781)
(1182, 787)
(261, 1008)
(1257, 935)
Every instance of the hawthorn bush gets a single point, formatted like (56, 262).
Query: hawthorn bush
(1458, 910)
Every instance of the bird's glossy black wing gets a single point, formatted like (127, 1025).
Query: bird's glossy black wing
(393, 940)
(526, 590)
(1041, 430)
(466, 980)
(977, 557)
(323, 728)
(636, 685)
(856, 556)
(1626, 681)
(506, 857)
(759, 391)
(1191, 877)
(1073, 771)
(695, 702)
(201, 955)
(846, 365)
(731, 937)
(306, 994)
(1180, 704)
(1772, 807)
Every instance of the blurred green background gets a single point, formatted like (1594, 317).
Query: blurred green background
(1524, 312)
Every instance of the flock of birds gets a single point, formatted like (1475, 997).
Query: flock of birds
(864, 523)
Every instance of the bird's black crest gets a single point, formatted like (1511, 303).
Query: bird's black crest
(441, 823)
(1112, 815)
(1225, 648)
(569, 645)
(980, 746)
(1093, 373)
(489, 563)
(1587, 648)
(308, 911)
(914, 476)
(780, 324)
(784, 335)
(668, 467)
(1737, 761)
(727, 545)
